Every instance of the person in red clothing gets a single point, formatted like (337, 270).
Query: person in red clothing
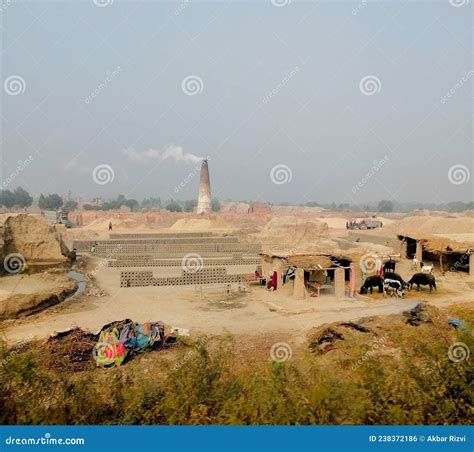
(272, 282)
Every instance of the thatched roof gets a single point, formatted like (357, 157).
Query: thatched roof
(442, 243)
(305, 261)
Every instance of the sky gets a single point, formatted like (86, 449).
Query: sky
(346, 101)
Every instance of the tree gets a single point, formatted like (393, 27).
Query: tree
(70, 205)
(385, 206)
(50, 202)
(7, 198)
(173, 206)
(22, 197)
(189, 205)
(132, 204)
(149, 203)
(215, 205)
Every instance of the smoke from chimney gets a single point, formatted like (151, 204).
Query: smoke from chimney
(171, 151)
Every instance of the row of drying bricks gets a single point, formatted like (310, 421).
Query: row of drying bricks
(203, 276)
(150, 261)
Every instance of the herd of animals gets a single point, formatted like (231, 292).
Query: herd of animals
(391, 283)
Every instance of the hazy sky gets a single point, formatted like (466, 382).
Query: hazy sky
(292, 101)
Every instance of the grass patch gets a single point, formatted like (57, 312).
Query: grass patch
(394, 374)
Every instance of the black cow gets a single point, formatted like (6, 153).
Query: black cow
(422, 279)
(397, 277)
(370, 283)
(389, 266)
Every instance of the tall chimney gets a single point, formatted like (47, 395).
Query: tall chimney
(204, 199)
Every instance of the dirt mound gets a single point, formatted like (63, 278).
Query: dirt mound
(23, 295)
(430, 224)
(290, 232)
(34, 239)
(198, 224)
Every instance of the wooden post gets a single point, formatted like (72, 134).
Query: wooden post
(404, 248)
(299, 292)
(352, 280)
(419, 251)
(339, 283)
(471, 265)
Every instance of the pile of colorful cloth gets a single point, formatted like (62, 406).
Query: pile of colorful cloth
(117, 340)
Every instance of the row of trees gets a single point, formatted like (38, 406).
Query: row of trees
(16, 198)
(21, 198)
(150, 203)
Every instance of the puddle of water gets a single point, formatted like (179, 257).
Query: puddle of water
(81, 282)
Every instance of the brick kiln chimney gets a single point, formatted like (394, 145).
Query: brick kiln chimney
(204, 199)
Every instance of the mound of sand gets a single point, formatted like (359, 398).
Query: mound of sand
(198, 224)
(429, 224)
(33, 238)
(27, 294)
(293, 233)
(102, 224)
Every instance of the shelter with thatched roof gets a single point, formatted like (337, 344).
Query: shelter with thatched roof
(313, 272)
(454, 252)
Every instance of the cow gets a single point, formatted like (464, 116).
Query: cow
(389, 266)
(370, 283)
(397, 277)
(393, 287)
(422, 279)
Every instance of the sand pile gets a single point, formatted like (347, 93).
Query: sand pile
(102, 224)
(293, 233)
(199, 224)
(34, 239)
(435, 225)
(22, 295)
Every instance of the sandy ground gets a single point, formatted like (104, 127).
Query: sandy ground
(211, 311)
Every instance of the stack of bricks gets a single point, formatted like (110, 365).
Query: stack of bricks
(213, 255)
(151, 261)
(199, 277)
